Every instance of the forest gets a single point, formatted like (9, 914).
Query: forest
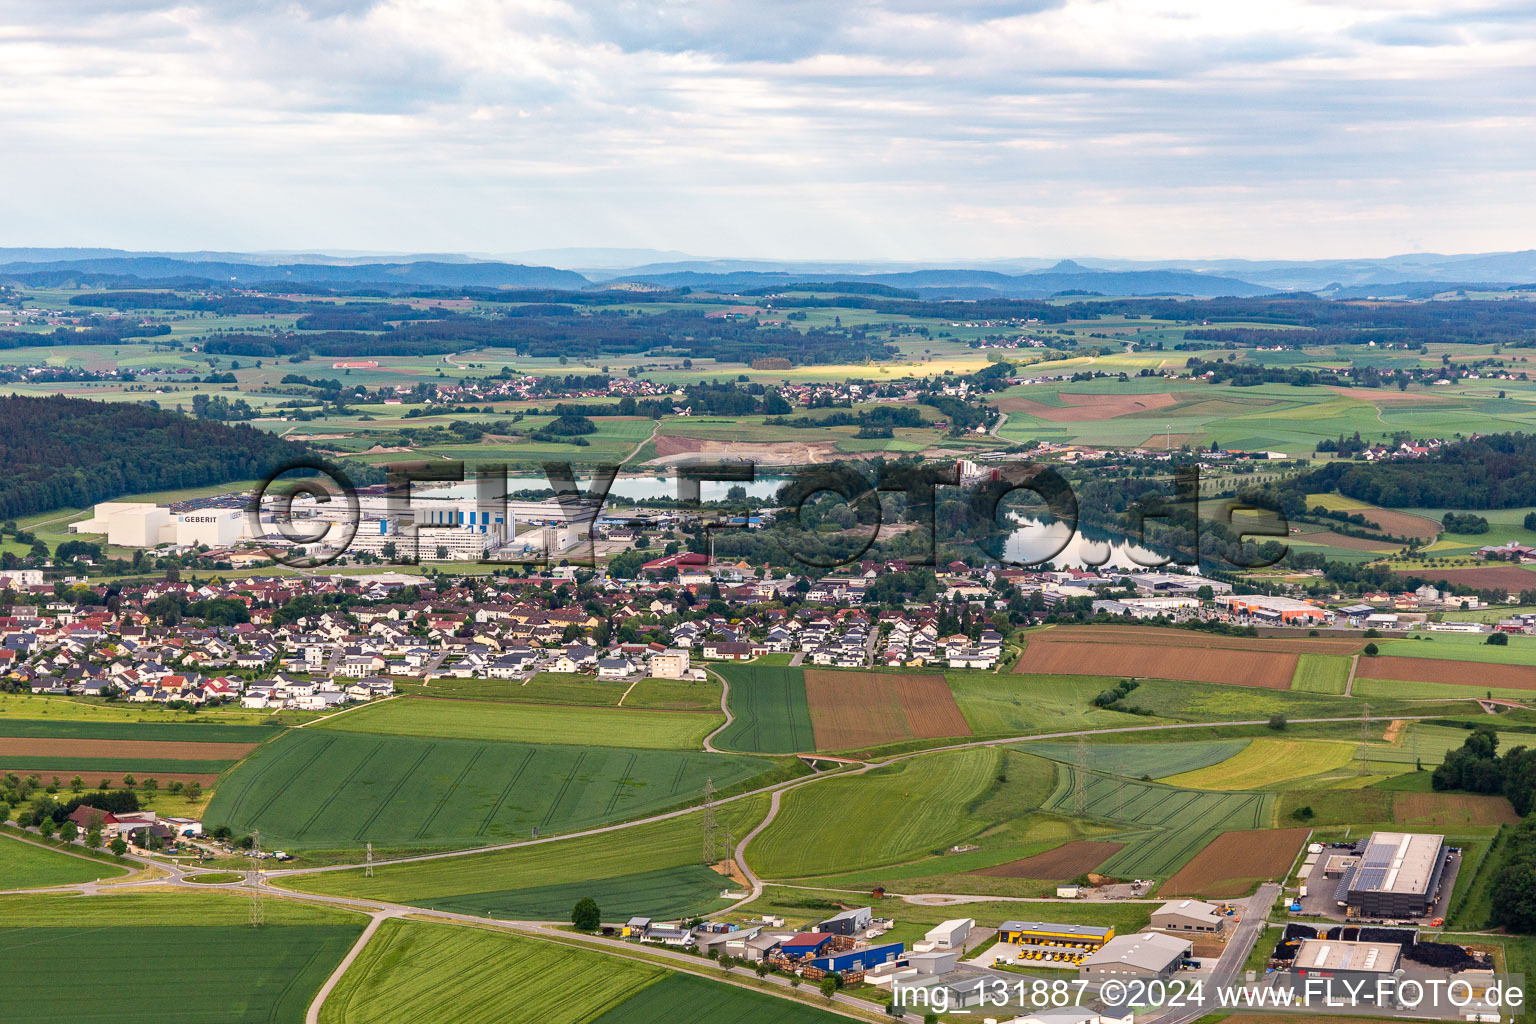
(1496, 471)
(71, 452)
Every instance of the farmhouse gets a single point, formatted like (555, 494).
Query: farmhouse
(1398, 875)
(1188, 916)
(1039, 933)
(1143, 955)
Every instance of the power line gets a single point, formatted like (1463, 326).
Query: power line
(711, 851)
(368, 870)
(256, 913)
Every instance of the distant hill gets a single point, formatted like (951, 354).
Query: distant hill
(71, 453)
(417, 274)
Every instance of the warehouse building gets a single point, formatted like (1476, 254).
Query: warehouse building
(849, 922)
(1143, 955)
(858, 959)
(1398, 875)
(1040, 933)
(1188, 916)
(143, 524)
(1352, 966)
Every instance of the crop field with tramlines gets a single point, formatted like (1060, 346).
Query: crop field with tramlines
(328, 789)
(770, 712)
(1165, 825)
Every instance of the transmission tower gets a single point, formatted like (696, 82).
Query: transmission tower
(256, 915)
(1365, 736)
(1079, 779)
(711, 850)
(368, 870)
(730, 849)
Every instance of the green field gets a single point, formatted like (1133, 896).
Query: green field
(621, 870)
(414, 972)
(159, 730)
(331, 789)
(1520, 650)
(529, 723)
(1015, 704)
(25, 865)
(69, 709)
(1266, 763)
(770, 715)
(885, 816)
(1136, 760)
(585, 691)
(1321, 673)
(141, 958)
(1171, 824)
(686, 999)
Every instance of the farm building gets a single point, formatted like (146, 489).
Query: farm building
(1039, 933)
(1143, 955)
(849, 922)
(858, 959)
(1398, 875)
(1188, 916)
(946, 935)
(1367, 964)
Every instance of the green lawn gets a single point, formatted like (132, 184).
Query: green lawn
(24, 865)
(329, 789)
(770, 714)
(416, 972)
(620, 869)
(139, 958)
(529, 723)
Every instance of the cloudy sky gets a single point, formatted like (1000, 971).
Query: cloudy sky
(799, 128)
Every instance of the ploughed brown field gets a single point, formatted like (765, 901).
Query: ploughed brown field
(1081, 408)
(48, 746)
(1198, 638)
(1399, 524)
(1234, 862)
(1494, 577)
(1445, 809)
(92, 776)
(865, 709)
(1065, 862)
(1157, 661)
(1434, 670)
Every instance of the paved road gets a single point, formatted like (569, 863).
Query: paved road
(725, 709)
(1249, 930)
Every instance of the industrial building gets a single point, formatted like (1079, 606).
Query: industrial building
(1275, 610)
(1397, 875)
(1364, 966)
(849, 922)
(1040, 933)
(1188, 916)
(946, 935)
(858, 959)
(1142, 955)
(143, 524)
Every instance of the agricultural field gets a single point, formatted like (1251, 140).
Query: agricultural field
(620, 870)
(1321, 673)
(417, 972)
(1518, 650)
(162, 749)
(687, 999)
(1267, 763)
(1003, 704)
(885, 816)
(1454, 673)
(26, 865)
(850, 710)
(334, 789)
(1064, 863)
(529, 723)
(1165, 825)
(769, 709)
(1158, 661)
(1140, 760)
(1234, 863)
(243, 975)
(1194, 638)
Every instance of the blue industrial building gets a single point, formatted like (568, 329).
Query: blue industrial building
(858, 959)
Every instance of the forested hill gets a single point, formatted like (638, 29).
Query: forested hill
(1496, 471)
(71, 453)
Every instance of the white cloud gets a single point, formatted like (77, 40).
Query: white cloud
(798, 128)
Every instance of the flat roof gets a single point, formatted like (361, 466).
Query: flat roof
(1086, 931)
(1152, 951)
(1397, 862)
(1337, 955)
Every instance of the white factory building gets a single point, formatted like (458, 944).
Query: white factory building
(143, 524)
